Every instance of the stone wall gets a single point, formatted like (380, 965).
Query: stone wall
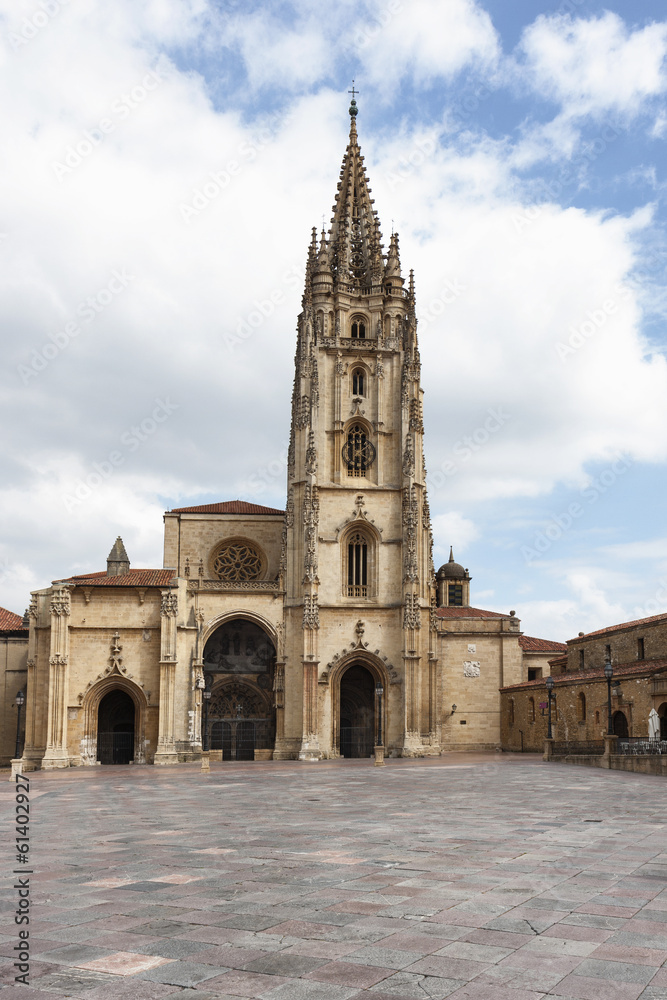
(579, 711)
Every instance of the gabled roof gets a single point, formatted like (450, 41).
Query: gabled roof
(654, 619)
(531, 645)
(636, 668)
(467, 613)
(227, 507)
(9, 622)
(135, 578)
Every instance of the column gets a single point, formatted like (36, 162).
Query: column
(166, 747)
(56, 734)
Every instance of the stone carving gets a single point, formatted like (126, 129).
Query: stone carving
(238, 561)
(340, 367)
(115, 659)
(416, 422)
(471, 668)
(60, 603)
(311, 455)
(394, 677)
(263, 586)
(303, 416)
(359, 630)
(411, 614)
(169, 607)
(186, 570)
(311, 612)
(33, 610)
(237, 701)
(409, 457)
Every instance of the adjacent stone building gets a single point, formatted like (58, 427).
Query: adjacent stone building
(13, 676)
(637, 651)
(316, 629)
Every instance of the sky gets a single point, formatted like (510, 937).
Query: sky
(164, 162)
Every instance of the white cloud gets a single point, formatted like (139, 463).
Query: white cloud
(452, 529)
(426, 39)
(595, 65)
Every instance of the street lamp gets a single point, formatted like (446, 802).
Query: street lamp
(20, 702)
(379, 690)
(609, 673)
(550, 686)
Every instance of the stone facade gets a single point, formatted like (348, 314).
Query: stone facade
(306, 633)
(13, 677)
(637, 652)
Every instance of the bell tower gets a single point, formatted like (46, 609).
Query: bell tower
(357, 565)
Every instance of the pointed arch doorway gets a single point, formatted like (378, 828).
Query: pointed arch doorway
(115, 728)
(357, 712)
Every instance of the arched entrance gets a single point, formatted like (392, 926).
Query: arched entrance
(662, 714)
(239, 666)
(357, 712)
(115, 728)
(620, 724)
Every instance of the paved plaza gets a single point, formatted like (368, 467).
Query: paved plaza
(475, 877)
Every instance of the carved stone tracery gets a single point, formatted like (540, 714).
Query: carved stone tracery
(237, 561)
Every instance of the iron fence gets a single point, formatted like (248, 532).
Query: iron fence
(356, 741)
(635, 746)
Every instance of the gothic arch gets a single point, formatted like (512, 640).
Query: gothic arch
(214, 624)
(377, 669)
(91, 705)
(359, 555)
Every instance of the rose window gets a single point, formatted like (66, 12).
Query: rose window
(238, 561)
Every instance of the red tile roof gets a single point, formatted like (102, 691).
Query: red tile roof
(9, 622)
(637, 668)
(229, 507)
(619, 628)
(531, 645)
(135, 578)
(467, 613)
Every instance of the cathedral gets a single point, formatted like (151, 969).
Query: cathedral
(317, 631)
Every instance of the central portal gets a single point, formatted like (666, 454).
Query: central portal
(357, 713)
(239, 667)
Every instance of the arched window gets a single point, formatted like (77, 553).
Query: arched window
(531, 710)
(358, 329)
(358, 452)
(358, 382)
(581, 707)
(357, 565)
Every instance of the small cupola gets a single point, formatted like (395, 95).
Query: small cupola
(118, 563)
(453, 584)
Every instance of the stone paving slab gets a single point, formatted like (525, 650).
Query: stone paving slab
(484, 877)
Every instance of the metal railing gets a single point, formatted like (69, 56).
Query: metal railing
(635, 746)
(356, 741)
(581, 748)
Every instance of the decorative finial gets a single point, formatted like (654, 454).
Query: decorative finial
(354, 110)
